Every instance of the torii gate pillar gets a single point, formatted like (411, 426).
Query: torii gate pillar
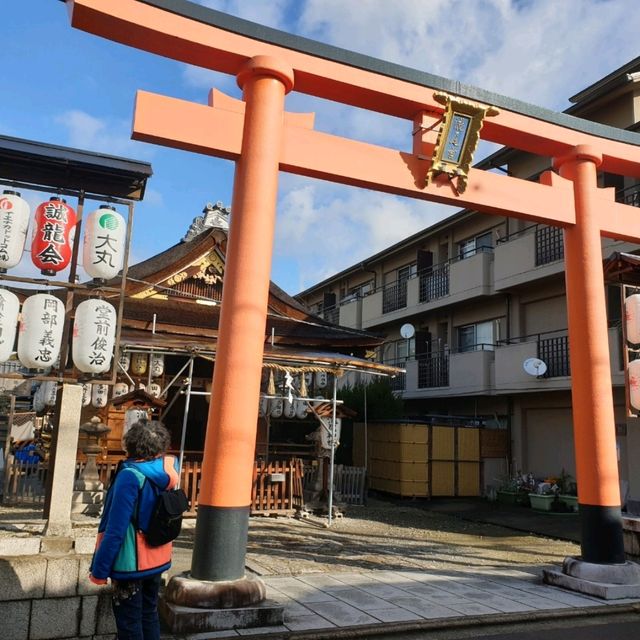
(592, 395)
(217, 576)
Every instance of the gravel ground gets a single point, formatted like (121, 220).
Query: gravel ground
(387, 536)
(381, 535)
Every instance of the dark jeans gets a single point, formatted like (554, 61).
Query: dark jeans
(135, 607)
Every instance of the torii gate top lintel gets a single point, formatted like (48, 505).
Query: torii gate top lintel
(207, 38)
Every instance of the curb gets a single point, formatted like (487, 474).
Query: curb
(450, 624)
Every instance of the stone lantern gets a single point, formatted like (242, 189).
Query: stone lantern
(88, 494)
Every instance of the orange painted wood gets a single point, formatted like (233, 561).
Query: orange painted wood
(591, 387)
(151, 29)
(215, 131)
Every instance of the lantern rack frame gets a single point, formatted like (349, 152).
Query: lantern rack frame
(72, 287)
(185, 389)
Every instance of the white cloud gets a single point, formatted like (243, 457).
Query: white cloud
(540, 51)
(109, 136)
(326, 228)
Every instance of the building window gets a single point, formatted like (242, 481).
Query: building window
(468, 248)
(407, 272)
(476, 337)
(360, 291)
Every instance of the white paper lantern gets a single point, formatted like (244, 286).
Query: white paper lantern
(104, 240)
(138, 364)
(40, 333)
(325, 433)
(633, 372)
(94, 336)
(308, 380)
(9, 309)
(632, 318)
(14, 222)
(155, 389)
(301, 409)
(50, 392)
(86, 394)
(321, 379)
(99, 395)
(263, 407)
(289, 409)
(120, 389)
(124, 361)
(133, 415)
(276, 407)
(38, 399)
(156, 364)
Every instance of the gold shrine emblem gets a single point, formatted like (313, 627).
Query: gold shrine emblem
(458, 138)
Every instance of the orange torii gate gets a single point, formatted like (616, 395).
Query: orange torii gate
(263, 139)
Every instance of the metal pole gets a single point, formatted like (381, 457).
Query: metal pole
(333, 445)
(185, 416)
(366, 430)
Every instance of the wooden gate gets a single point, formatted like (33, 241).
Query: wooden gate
(277, 487)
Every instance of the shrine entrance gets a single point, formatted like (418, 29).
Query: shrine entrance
(448, 120)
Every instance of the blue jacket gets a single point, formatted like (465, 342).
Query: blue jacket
(121, 548)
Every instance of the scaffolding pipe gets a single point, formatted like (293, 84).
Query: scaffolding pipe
(333, 445)
(184, 418)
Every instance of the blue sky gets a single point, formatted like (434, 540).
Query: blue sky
(70, 88)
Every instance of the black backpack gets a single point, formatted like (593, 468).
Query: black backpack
(166, 519)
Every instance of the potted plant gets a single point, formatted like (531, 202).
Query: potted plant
(568, 494)
(514, 489)
(545, 495)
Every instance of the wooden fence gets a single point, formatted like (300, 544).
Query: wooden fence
(277, 486)
(349, 483)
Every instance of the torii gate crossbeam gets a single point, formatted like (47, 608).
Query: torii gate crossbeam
(263, 139)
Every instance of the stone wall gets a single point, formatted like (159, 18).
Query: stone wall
(48, 595)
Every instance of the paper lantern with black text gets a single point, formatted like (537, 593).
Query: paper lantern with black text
(9, 309)
(40, 331)
(104, 240)
(94, 336)
(52, 237)
(14, 223)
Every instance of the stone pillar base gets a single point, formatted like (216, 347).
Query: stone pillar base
(197, 606)
(606, 581)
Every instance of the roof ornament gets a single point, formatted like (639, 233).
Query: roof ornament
(215, 216)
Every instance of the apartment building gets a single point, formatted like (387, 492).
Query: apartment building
(486, 293)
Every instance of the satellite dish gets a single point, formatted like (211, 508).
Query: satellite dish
(535, 366)
(407, 331)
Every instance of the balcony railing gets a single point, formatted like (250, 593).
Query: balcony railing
(394, 296)
(630, 195)
(555, 353)
(549, 245)
(434, 282)
(433, 370)
(332, 314)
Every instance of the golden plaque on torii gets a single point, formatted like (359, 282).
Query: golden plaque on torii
(458, 137)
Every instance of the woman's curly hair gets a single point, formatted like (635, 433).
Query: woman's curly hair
(146, 440)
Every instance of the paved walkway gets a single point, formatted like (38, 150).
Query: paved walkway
(334, 601)
(362, 603)
(478, 585)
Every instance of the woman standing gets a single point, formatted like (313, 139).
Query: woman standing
(122, 552)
